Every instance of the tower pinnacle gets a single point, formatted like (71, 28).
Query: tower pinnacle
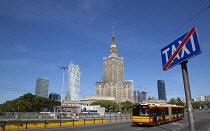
(113, 33)
(113, 43)
(113, 50)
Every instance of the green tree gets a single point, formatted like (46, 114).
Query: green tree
(136, 103)
(114, 106)
(176, 101)
(179, 102)
(208, 104)
(197, 105)
(172, 101)
(126, 105)
(28, 103)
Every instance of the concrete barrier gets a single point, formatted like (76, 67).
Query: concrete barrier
(35, 125)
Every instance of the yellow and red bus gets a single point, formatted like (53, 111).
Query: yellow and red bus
(151, 114)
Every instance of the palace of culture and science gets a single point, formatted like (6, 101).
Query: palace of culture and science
(113, 86)
(113, 83)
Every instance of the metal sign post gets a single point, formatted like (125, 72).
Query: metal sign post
(178, 52)
(188, 95)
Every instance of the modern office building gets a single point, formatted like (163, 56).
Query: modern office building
(161, 90)
(55, 96)
(140, 96)
(73, 92)
(143, 96)
(132, 86)
(200, 98)
(42, 85)
(113, 84)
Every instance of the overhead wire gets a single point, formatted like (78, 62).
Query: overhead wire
(9, 87)
(167, 34)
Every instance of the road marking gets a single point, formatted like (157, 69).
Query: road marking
(139, 129)
(177, 124)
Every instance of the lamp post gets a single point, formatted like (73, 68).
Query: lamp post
(18, 112)
(63, 68)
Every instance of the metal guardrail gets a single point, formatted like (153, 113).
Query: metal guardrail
(37, 115)
(59, 121)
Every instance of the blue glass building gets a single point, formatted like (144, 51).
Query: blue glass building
(161, 90)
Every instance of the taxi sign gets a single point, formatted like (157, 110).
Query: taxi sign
(181, 49)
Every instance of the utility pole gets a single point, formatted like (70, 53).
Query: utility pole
(63, 68)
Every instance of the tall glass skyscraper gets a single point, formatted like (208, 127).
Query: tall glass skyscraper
(161, 90)
(42, 85)
(73, 92)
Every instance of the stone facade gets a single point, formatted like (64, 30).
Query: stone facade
(92, 98)
(113, 84)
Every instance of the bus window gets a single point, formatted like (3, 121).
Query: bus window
(143, 111)
(158, 111)
(166, 111)
(173, 111)
(152, 113)
(136, 110)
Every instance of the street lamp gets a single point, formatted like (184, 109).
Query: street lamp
(18, 112)
(63, 68)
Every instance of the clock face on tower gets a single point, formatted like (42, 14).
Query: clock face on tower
(113, 50)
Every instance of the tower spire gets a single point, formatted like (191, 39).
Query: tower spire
(113, 33)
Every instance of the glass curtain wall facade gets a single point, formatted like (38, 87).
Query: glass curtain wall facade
(73, 82)
(161, 90)
(42, 85)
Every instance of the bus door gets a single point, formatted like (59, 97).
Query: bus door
(163, 115)
(154, 116)
(177, 113)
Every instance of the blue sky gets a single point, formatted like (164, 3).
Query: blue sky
(37, 37)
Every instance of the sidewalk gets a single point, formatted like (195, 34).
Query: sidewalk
(201, 125)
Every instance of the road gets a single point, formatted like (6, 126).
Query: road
(201, 118)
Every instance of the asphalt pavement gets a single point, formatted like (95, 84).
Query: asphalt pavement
(201, 123)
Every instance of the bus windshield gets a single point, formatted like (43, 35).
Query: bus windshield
(140, 111)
